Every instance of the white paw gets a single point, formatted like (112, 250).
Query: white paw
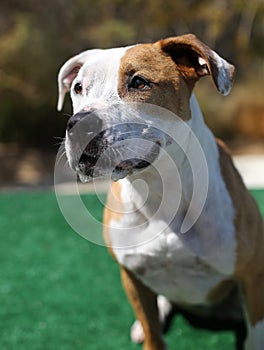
(137, 333)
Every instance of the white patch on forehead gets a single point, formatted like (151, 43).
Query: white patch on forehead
(99, 76)
(223, 79)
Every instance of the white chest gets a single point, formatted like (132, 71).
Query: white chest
(171, 265)
(148, 239)
(182, 267)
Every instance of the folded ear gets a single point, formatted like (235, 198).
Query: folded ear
(194, 59)
(69, 71)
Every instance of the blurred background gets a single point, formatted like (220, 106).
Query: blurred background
(58, 290)
(36, 38)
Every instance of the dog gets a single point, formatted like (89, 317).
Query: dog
(179, 221)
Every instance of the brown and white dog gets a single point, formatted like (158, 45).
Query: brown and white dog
(187, 234)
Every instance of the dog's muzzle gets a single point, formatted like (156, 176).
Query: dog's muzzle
(95, 149)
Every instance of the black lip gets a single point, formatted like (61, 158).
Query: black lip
(100, 142)
(128, 167)
(87, 163)
(132, 164)
(94, 151)
(141, 164)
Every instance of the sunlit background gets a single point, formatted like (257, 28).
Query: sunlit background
(36, 37)
(58, 291)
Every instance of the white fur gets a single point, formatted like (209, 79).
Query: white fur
(99, 76)
(136, 331)
(224, 83)
(183, 268)
(180, 267)
(255, 339)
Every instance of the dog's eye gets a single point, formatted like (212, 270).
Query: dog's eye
(138, 83)
(78, 88)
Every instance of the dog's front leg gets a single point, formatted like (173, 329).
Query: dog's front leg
(144, 303)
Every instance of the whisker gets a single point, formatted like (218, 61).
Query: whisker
(66, 115)
(136, 149)
(66, 164)
(61, 156)
(58, 138)
(118, 152)
(61, 139)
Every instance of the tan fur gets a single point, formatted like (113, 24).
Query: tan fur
(221, 291)
(144, 303)
(169, 87)
(170, 68)
(250, 237)
(172, 84)
(112, 211)
(142, 299)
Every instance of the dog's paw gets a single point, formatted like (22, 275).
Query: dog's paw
(137, 333)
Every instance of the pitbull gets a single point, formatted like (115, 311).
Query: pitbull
(179, 221)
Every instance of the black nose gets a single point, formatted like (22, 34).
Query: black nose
(89, 122)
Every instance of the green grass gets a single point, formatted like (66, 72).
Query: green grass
(58, 291)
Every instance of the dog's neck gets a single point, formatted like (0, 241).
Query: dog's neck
(195, 158)
(168, 199)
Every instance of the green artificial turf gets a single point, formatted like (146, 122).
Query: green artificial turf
(59, 291)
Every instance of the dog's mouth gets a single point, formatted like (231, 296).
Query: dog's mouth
(88, 168)
(117, 154)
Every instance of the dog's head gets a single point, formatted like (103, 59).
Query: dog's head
(115, 126)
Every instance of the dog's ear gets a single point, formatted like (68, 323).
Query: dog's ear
(69, 71)
(194, 59)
